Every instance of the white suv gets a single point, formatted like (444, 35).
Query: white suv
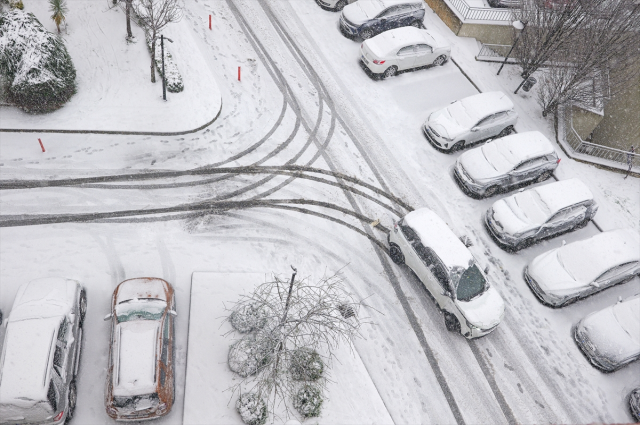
(424, 242)
(41, 353)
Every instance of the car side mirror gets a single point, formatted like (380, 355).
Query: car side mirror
(173, 312)
(107, 317)
(474, 129)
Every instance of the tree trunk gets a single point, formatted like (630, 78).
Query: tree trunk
(58, 25)
(128, 11)
(153, 59)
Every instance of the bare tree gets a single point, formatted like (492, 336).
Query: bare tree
(127, 11)
(154, 16)
(286, 319)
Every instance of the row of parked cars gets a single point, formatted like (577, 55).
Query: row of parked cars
(43, 342)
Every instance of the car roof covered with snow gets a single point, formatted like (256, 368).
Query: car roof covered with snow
(135, 357)
(389, 42)
(435, 234)
(564, 193)
(484, 104)
(142, 288)
(46, 297)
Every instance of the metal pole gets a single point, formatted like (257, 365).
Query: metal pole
(164, 81)
(522, 83)
(512, 47)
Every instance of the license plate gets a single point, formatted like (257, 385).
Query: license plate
(365, 60)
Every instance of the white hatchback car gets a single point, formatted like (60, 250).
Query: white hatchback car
(610, 338)
(579, 269)
(424, 242)
(41, 353)
(470, 120)
(506, 163)
(539, 213)
(402, 49)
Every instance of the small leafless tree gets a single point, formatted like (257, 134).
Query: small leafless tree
(154, 16)
(290, 316)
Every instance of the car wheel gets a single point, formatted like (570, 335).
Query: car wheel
(82, 307)
(390, 72)
(451, 322)
(72, 398)
(583, 223)
(340, 5)
(491, 191)
(544, 176)
(522, 245)
(440, 60)
(366, 34)
(416, 24)
(396, 254)
(458, 146)
(506, 131)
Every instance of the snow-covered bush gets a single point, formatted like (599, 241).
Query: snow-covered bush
(248, 317)
(174, 79)
(308, 401)
(40, 74)
(306, 365)
(252, 409)
(16, 4)
(247, 356)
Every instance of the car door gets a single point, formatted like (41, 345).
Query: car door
(527, 171)
(424, 55)
(563, 220)
(402, 16)
(61, 360)
(166, 369)
(433, 274)
(410, 257)
(384, 20)
(406, 57)
(482, 129)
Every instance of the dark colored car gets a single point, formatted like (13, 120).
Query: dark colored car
(634, 404)
(366, 18)
(140, 374)
(504, 3)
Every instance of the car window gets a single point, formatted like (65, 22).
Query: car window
(58, 360)
(560, 215)
(620, 270)
(486, 121)
(423, 48)
(425, 254)
(472, 283)
(408, 233)
(62, 330)
(532, 163)
(393, 10)
(406, 51)
(51, 396)
(403, 8)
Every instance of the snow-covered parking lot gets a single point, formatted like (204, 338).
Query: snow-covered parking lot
(304, 100)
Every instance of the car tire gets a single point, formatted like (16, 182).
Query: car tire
(521, 245)
(506, 131)
(340, 5)
(396, 254)
(583, 223)
(544, 176)
(457, 147)
(491, 191)
(416, 24)
(440, 60)
(390, 72)
(72, 399)
(451, 322)
(366, 34)
(82, 307)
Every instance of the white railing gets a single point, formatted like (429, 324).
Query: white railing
(466, 12)
(592, 152)
(494, 53)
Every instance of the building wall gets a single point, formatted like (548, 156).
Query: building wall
(445, 14)
(488, 33)
(584, 122)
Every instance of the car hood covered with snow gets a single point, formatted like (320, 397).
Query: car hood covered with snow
(485, 311)
(44, 297)
(448, 125)
(519, 213)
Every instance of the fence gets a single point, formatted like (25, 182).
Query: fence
(466, 12)
(592, 152)
(494, 53)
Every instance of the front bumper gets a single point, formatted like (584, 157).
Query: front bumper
(501, 240)
(590, 351)
(430, 137)
(475, 332)
(546, 299)
(466, 185)
(347, 28)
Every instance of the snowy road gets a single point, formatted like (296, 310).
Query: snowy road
(305, 101)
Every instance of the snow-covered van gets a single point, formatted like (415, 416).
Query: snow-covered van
(140, 380)
(41, 352)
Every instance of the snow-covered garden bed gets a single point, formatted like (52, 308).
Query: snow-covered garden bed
(173, 77)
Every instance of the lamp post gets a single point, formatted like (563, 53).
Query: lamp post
(164, 79)
(518, 26)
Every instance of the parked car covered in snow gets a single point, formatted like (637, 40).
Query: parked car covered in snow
(366, 18)
(504, 3)
(634, 404)
(402, 49)
(506, 163)
(610, 338)
(543, 212)
(334, 5)
(41, 352)
(470, 120)
(424, 242)
(579, 269)
(140, 374)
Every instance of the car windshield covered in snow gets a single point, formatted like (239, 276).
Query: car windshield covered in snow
(471, 284)
(138, 402)
(140, 309)
(461, 115)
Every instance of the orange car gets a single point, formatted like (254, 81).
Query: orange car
(140, 374)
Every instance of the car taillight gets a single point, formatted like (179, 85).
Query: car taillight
(112, 410)
(377, 62)
(558, 161)
(58, 416)
(161, 408)
(362, 45)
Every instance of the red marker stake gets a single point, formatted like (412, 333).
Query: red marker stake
(238, 73)
(41, 145)
(209, 21)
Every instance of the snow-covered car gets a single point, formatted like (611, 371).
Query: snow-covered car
(504, 3)
(634, 404)
(366, 18)
(41, 352)
(506, 163)
(543, 212)
(335, 5)
(579, 269)
(610, 338)
(424, 242)
(140, 374)
(470, 120)
(401, 49)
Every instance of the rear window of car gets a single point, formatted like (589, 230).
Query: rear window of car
(140, 309)
(472, 283)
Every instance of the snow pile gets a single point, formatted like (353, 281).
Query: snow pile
(247, 318)
(36, 63)
(173, 77)
(306, 365)
(252, 409)
(308, 401)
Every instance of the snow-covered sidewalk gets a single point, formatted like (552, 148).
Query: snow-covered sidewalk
(113, 77)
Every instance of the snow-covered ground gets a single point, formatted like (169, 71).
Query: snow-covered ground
(303, 99)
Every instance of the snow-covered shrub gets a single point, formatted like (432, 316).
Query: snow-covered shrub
(308, 401)
(247, 317)
(306, 365)
(35, 62)
(174, 79)
(247, 356)
(16, 4)
(252, 409)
